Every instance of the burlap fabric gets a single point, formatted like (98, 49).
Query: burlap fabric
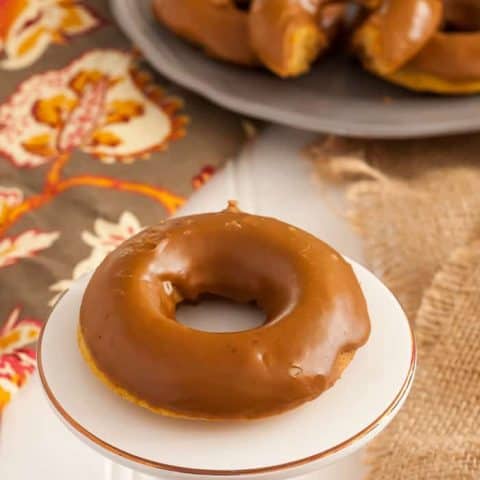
(417, 206)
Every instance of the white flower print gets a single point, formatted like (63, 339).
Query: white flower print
(105, 238)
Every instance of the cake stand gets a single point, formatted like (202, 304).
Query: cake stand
(306, 440)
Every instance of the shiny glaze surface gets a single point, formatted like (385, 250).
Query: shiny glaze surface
(218, 26)
(313, 303)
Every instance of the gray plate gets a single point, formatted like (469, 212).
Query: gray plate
(336, 97)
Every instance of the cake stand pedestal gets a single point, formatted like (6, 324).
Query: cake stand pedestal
(347, 468)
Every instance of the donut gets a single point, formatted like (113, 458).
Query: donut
(431, 59)
(316, 317)
(450, 61)
(220, 27)
(395, 32)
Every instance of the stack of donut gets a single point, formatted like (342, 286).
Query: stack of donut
(425, 45)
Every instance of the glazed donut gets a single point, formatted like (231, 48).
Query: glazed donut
(220, 27)
(446, 62)
(395, 32)
(316, 317)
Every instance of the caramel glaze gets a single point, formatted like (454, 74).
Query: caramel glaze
(396, 32)
(313, 303)
(217, 26)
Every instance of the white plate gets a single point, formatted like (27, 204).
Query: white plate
(338, 96)
(303, 440)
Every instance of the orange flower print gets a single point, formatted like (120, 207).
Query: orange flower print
(28, 27)
(101, 104)
(17, 361)
(29, 242)
(105, 238)
(9, 198)
(203, 176)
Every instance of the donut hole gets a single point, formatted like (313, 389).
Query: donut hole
(212, 313)
(461, 16)
(208, 283)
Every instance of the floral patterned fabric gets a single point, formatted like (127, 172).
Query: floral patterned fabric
(93, 146)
